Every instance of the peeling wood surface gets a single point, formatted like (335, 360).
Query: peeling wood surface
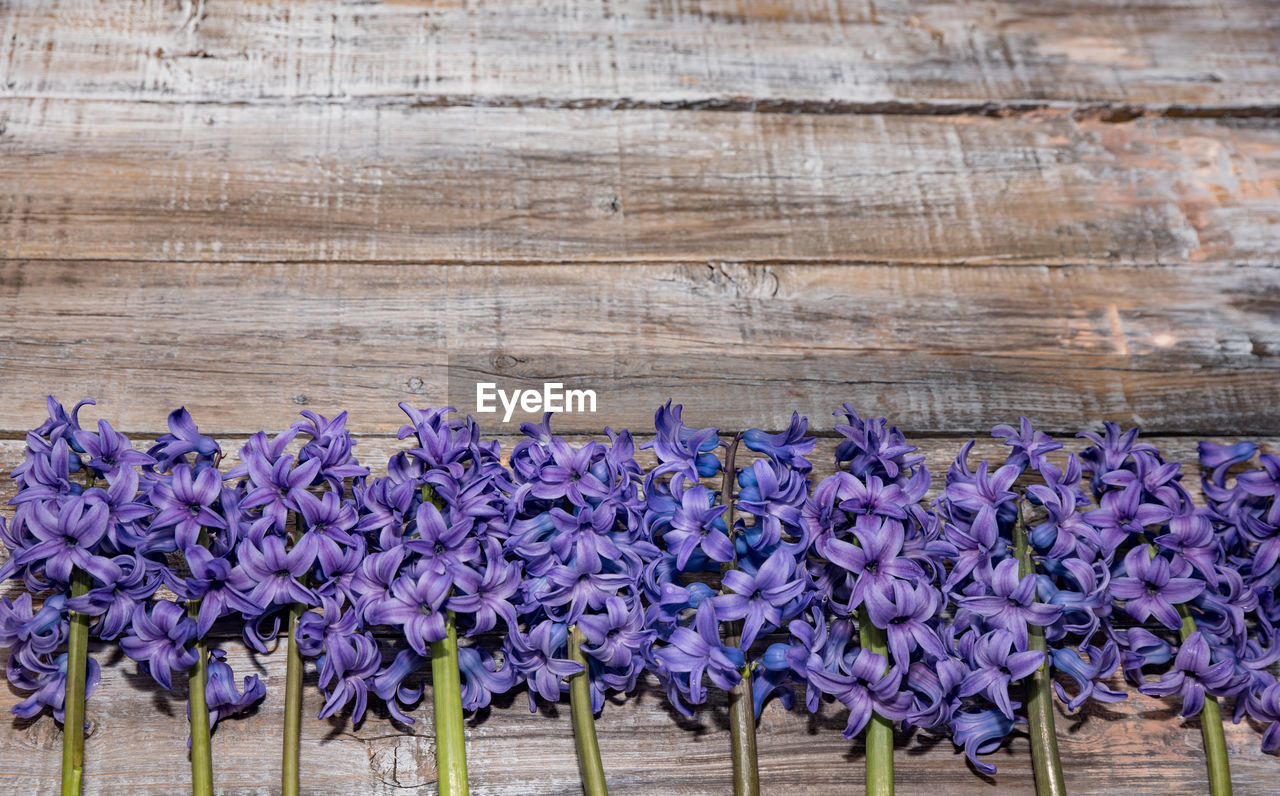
(942, 350)
(140, 181)
(889, 54)
(253, 207)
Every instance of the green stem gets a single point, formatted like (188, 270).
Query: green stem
(292, 707)
(742, 714)
(879, 731)
(584, 724)
(77, 667)
(446, 698)
(198, 707)
(1215, 740)
(1045, 761)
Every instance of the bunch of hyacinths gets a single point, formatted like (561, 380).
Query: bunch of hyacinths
(73, 542)
(874, 557)
(296, 544)
(1030, 583)
(197, 517)
(761, 584)
(577, 531)
(435, 569)
(1246, 516)
(1170, 572)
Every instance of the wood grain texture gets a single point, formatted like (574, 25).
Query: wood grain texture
(1191, 56)
(142, 181)
(941, 350)
(136, 730)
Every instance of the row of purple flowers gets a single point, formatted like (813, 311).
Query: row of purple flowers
(652, 567)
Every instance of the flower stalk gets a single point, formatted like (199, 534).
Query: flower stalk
(879, 731)
(198, 707)
(742, 717)
(292, 706)
(77, 668)
(590, 766)
(1045, 761)
(446, 701)
(1215, 740)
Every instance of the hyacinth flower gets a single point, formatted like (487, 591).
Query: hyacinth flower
(1030, 581)
(578, 535)
(295, 517)
(872, 637)
(1243, 502)
(435, 570)
(197, 516)
(751, 534)
(1170, 573)
(73, 538)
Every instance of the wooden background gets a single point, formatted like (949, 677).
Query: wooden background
(949, 213)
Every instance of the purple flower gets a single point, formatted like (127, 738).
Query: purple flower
(997, 664)
(221, 694)
(183, 438)
(1265, 483)
(442, 549)
(486, 595)
(980, 732)
(417, 606)
(67, 534)
(1151, 590)
(693, 652)
(618, 637)
(389, 685)
(866, 687)
(1029, 446)
(481, 677)
(1192, 674)
(760, 597)
(875, 561)
(1012, 605)
(1264, 705)
(269, 574)
(159, 640)
(538, 659)
(134, 579)
(185, 501)
(349, 662)
(696, 525)
(873, 447)
(48, 682)
(681, 450)
(109, 451)
(328, 521)
(787, 448)
(906, 613)
(1088, 674)
(210, 583)
(1123, 514)
(61, 425)
(277, 489)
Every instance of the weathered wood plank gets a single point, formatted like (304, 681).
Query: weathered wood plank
(132, 181)
(942, 350)
(137, 731)
(1195, 55)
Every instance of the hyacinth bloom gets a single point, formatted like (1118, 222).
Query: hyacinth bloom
(161, 640)
(1149, 589)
